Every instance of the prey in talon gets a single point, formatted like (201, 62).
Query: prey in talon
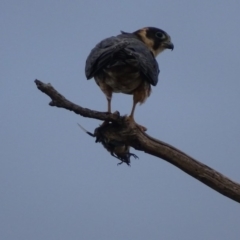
(127, 64)
(117, 149)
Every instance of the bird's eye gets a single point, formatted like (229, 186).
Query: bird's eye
(160, 35)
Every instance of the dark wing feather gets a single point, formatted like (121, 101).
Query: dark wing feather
(131, 49)
(148, 65)
(102, 54)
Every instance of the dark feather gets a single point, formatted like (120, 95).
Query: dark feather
(125, 48)
(117, 149)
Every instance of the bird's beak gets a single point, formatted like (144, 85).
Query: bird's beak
(169, 45)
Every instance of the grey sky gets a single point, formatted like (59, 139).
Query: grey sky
(56, 183)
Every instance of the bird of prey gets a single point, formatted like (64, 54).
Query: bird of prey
(126, 64)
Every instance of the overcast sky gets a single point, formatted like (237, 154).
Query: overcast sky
(57, 183)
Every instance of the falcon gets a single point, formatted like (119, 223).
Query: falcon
(126, 64)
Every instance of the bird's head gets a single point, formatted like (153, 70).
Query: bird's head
(156, 39)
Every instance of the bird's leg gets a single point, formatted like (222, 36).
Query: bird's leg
(109, 99)
(109, 103)
(131, 116)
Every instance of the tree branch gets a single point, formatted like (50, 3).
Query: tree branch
(126, 134)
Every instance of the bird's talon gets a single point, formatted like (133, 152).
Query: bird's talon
(116, 113)
(134, 155)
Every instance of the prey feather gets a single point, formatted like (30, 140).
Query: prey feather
(117, 149)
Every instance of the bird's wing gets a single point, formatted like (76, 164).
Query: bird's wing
(147, 63)
(102, 54)
(132, 49)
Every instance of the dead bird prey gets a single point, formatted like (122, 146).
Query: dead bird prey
(117, 149)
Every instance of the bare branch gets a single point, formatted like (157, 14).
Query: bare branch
(60, 101)
(128, 134)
